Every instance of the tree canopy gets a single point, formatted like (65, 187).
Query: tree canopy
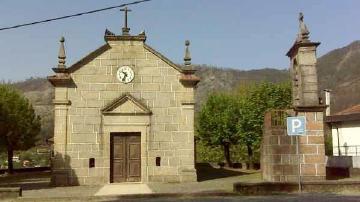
(256, 99)
(238, 117)
(217, 122)
(19, 124)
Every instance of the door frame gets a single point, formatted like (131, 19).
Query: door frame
(116, 124)
(123, 134)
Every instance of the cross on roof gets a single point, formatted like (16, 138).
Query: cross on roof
(125, 29)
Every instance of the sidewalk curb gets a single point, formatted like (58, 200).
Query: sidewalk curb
(136, 196)
(270, 188)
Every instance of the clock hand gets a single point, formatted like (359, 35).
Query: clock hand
(124, 76)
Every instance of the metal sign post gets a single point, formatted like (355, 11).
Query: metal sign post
(296, 126)
(299, 163)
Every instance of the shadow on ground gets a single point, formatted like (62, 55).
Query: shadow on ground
(27, 180)
(41, 178)
(206, 171)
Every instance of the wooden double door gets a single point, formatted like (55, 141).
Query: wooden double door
(125, 157)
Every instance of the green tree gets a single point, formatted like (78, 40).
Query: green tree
(255, 100)
(217, 122)
(19, 125)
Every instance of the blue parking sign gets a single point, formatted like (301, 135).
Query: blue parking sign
(296, 125)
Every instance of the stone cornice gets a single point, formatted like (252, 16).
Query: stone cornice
(315, 108)
(297, 45)
(188, 102)
(61, 102)
(127, 124)
(61, 81)
(60, 70)
(125, 38)
(189, 80)
(127, 114)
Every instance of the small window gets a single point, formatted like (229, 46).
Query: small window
(91, 162)
(158, 159)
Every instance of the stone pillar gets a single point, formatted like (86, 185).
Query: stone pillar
(187, 171)
(303, 68)
(189, 80)
(306, 103)
(60, 161)
(304, 76)
(279, 159)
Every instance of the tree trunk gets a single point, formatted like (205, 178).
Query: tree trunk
(227, 154)
(10, 155)
(250, 157)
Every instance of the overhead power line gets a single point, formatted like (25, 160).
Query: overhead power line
(71, 16)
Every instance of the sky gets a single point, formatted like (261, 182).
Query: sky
(240, 34)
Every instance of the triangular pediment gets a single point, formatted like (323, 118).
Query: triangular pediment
(92, 55)
(126, 105)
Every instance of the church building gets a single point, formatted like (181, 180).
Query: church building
(123, 113)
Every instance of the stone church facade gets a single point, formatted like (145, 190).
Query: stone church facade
(123, 113)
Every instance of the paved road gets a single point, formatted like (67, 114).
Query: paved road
(273, 198)
(36, 188)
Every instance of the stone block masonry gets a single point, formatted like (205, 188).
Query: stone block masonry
(282, 160)
(279, 160)
(94, 104)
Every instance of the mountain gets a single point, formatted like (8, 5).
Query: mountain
(40, 93)
(339, 71)
(225, 79)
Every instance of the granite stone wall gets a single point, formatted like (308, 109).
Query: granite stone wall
(279, 160)
(82, 131)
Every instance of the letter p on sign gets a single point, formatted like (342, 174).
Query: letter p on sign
(296, 125)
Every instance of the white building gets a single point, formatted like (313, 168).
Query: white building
(345, 129)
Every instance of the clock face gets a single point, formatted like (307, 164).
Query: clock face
(125, 74)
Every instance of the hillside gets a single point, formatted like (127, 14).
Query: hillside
(223, 79)
(40, 92)
(339, 70)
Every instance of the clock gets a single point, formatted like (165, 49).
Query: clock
(125, 74)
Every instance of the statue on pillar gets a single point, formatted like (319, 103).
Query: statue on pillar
(303, 68)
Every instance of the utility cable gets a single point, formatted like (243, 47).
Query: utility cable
(71, 16)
